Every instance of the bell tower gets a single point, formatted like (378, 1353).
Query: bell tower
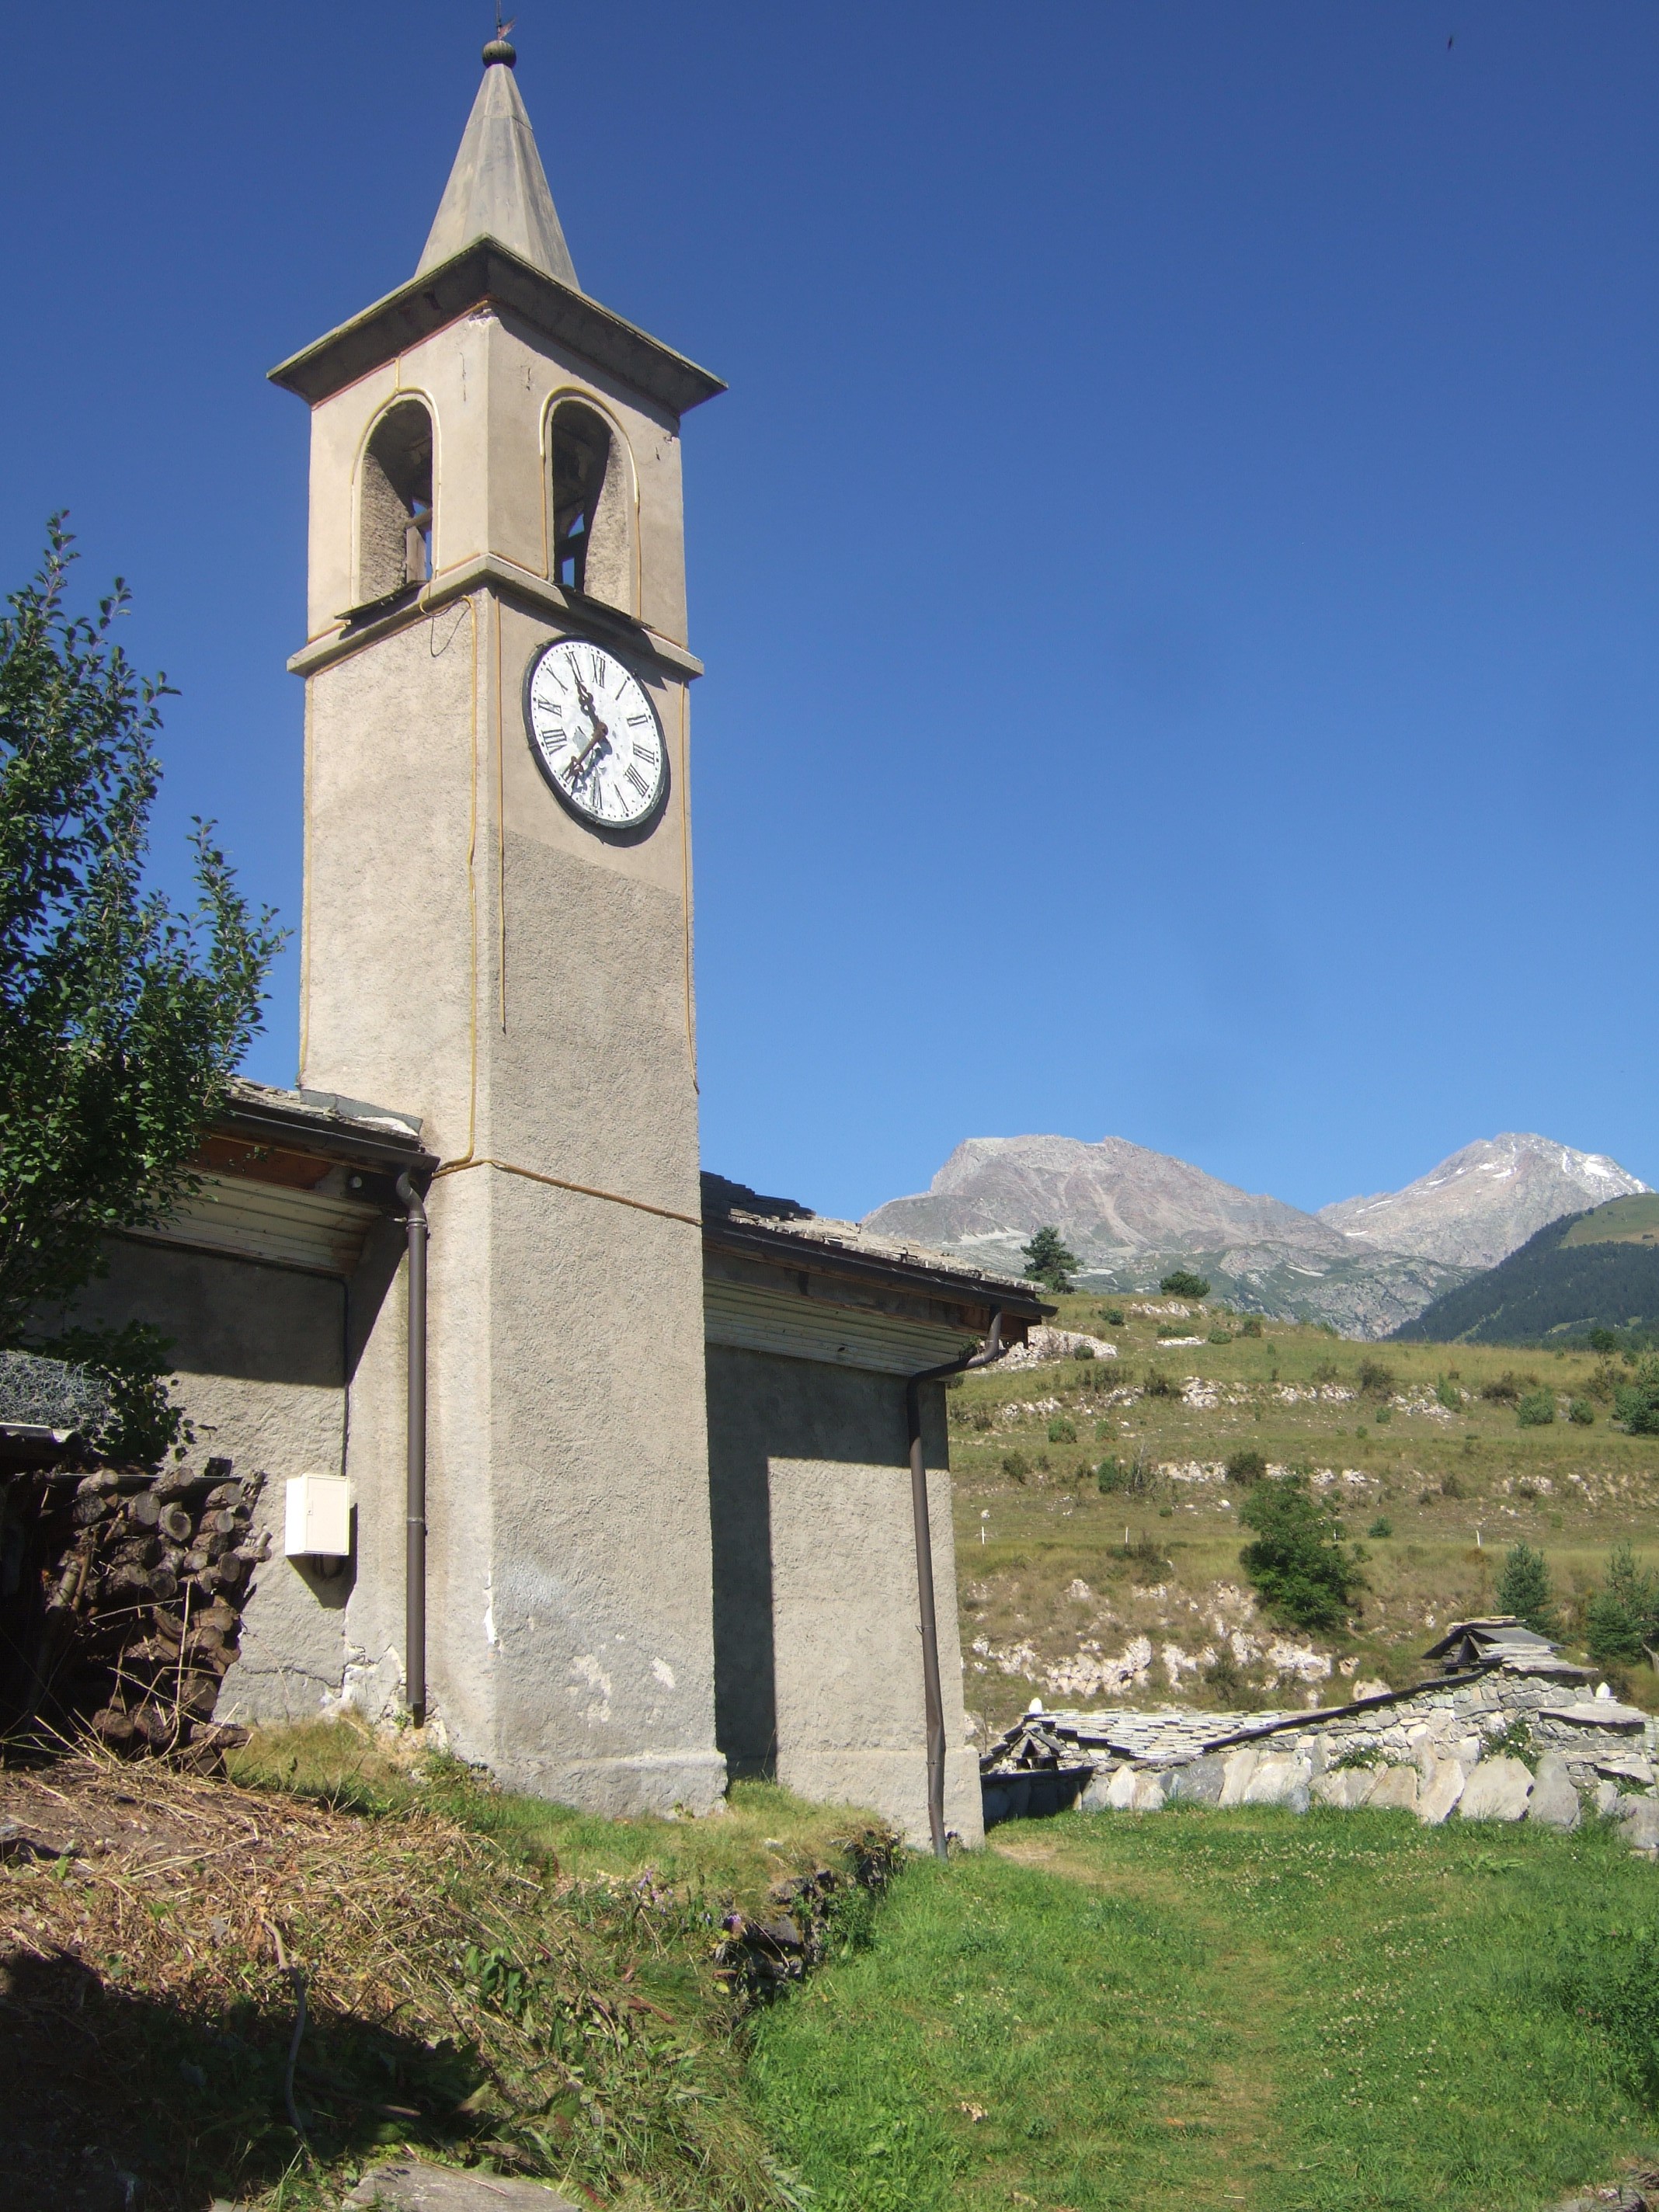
(497, 935)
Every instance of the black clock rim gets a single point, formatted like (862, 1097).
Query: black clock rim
(613, 833)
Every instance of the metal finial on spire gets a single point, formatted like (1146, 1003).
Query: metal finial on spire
(499, 49)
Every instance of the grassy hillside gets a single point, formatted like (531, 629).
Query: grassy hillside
(1593, 1270)
(1071, 1594)
(1342, 2013)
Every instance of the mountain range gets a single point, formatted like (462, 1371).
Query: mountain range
(1365, 1265)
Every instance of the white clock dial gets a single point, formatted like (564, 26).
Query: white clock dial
(595, 734)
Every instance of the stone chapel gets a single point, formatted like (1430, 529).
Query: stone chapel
(599, 1466)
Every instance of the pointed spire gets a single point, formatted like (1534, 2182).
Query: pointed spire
(498, 188)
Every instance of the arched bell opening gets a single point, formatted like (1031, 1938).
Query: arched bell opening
(395, 512)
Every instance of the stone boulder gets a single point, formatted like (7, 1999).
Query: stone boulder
(1148, 1794)
(1279, 1779)
(1442, 1786)
(1553, 1800)
(1395, 1790)
(1496, 1790)
(1198, 1782)
(1238, 1767)
(1096, 1798)
(1638, 1817)
(1345, 1787)
(409, 2185)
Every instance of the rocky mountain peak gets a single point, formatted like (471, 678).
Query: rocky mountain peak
(1482, 1203)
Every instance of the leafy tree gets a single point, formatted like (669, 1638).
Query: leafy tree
(1297, 1562)
(121, 1019)
(1604, 1340)
(1622, 1621)
(1525, 1590)
(1047, 1261)
(1183, 1284)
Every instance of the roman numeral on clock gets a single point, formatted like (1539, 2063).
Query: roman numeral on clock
(637, 781)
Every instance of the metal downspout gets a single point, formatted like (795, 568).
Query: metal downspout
(989, 1353)
(415, 1226)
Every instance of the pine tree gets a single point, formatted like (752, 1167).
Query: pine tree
(1525, 1590)
(1049, 1262)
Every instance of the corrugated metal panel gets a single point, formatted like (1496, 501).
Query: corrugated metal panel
(269, 1221)
(756, 1320)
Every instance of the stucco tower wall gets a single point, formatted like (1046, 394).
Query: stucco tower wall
(818, 1631)
(479, 958)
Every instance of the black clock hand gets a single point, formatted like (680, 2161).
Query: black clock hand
(601, 734)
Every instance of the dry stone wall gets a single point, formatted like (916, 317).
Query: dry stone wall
(1502, 1744)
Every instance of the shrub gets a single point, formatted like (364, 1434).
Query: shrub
(1158, 1384)
(982, 1417)
(1112, 1315)
(1183, 1284)
(1327, 1371)
(1297, 1562)
(1082, 1352)
(1622, 1620)
(1523, 1588)
(1047, 1261)
(1381, 1526)
(1376, 1381)
(1384, 1414)
(1581, 1412)
(1637, 1404)
(1449, 1394)
(1604, 1381)
(1016, 1466)
(1502, 1390)
(1536, 1410)
(1451, 1488)
(1136, 1476)
(1221, 1336)
(1060, 1430)
(1250, 1326)
(1604, 1340)
(1245, 1467)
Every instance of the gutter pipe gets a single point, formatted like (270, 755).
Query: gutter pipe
(415, 1230)
(989, 1353)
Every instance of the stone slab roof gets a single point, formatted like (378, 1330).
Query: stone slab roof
(780, 1225)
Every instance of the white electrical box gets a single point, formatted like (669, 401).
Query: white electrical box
(317, 1520)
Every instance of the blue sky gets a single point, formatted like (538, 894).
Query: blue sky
(1176, 564)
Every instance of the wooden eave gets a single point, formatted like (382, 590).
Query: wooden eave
(834, 1275)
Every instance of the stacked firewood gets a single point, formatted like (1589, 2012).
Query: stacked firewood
(143, 1595)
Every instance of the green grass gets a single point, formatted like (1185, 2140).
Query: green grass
(763, 1834)
(1341, 2013)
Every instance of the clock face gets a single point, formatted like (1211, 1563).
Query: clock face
(596, 735)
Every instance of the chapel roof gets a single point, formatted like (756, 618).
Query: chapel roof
(780, 1228)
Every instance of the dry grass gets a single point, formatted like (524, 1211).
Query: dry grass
(474, 1988)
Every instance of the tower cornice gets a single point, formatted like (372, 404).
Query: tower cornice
(486, 273)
